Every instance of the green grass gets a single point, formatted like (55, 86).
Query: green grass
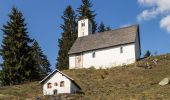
(138, 81)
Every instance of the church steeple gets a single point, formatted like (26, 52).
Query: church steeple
(84, 27)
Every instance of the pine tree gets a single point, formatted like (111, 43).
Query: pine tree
(147, 54)
(85, 12)
(69, 35)
(101, 27)
(17, 64)
(41, 62)
(108, 28)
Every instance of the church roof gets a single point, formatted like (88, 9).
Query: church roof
(105, 39)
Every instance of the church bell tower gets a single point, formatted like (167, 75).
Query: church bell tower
(84, 27)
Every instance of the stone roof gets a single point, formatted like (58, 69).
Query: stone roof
(105, 39)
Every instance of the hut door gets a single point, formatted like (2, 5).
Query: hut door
(55, 92)
(79, 61)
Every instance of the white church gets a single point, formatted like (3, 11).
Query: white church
(106, 49)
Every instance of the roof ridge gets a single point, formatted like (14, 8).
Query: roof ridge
(120, 28)
(126, 26)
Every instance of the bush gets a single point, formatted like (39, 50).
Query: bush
(147, 54)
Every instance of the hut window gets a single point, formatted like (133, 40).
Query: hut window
(62, 84)
(49, 85)
(55, 84)
(121, 49)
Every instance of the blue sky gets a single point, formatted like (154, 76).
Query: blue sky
(44, 18)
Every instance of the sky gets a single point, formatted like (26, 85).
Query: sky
(43, 18)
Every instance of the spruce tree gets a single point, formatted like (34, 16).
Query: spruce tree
(101, 27)
(147, 54)
(17, 64)
(85, 12)
(40, 60)
(108, 28)
(69, 35)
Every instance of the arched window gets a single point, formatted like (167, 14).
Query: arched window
(55, 84)
(62, 84)
(49, 85)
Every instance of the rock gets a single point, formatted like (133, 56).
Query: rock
(165, 81)
(155, 61)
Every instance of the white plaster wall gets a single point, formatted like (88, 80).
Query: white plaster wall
(72, 61)
(109, 57)
(57, 78)
(86, 30)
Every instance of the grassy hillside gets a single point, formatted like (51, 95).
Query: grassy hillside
(138, 81)
(20, 92)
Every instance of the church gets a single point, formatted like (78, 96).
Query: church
(105, 49)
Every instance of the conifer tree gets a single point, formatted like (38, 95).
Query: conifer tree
(17, 66)
(85, 12)
(108, 28)
(41, 62)
(69, 36)
(147, 54)
(101, 27)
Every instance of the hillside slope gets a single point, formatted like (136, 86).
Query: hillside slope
(138, 81)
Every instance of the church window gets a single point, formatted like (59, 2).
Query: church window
(93, 54)
(121, 49)
(82, 24)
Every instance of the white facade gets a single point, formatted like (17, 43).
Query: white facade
(106, 58)
(84, 27)
(57, 78)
